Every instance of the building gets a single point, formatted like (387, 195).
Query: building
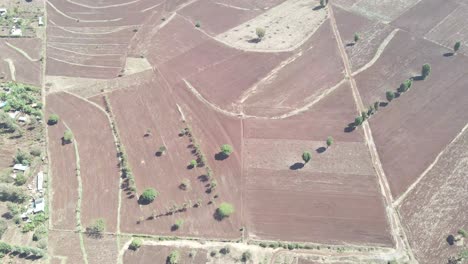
(23, 119)
(38, 205)
(16, 32)
(40, 181)
(40, 22)
(20, 167)
(13, 115)
(3, 11)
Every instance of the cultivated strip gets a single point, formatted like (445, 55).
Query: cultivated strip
(22, 52)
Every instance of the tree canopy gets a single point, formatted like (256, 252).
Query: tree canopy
(148, 196)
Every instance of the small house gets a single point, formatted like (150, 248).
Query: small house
(23, 119)
(38, 205)
(3, 11)
(40, 22)
(40, 181)
(2, 104)
(20, 167)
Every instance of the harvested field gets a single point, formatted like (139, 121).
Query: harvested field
(384, 10)
(98, 157)
(287, 26)
(20, 61)
(397, 127)
(452, 29)
(64, 187)
(64, 245)
(435, 208)
(158, 254)
(316, 67)
(150, 103)
(103, 250)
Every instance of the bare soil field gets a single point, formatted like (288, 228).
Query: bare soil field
(397, 127)
(103, 250)
(278, 185)
(435, 208)
(287, 26)
(158, 113)
(158, 254)
(20, 60)
(64, 245)
(314, 68)
(98, 157)
(64, 187)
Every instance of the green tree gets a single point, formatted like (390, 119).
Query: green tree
(67, 136)
(97, 228)
(174, 257)
(409, 83)
(22, 157)
(425, 71)
(356, 37)
(456, 47)
(198, 24)
(162, 149)
(329, 141)
(226, 149)
(20, 179)
(364, 115)
(53, 119)
(403, 87)
(224, 210)
(358, 121)
(178, 224)
(193, 164)
(260, 33)
(390, 95)
(136, 244)
(306, 156)
(323, 3)
(148, 196)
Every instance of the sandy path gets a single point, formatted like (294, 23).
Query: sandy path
(83, 65)
(22, 52)
(11, 65)
(398, 233)
(74, 18)
(103, 7)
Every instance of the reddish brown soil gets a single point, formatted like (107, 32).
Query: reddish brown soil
(26, 71)
(438, 11)
(65, 245)
(437, 206)
(319, 68)
(64, 180)
(404, 148)
(98, 162)
(323, 201)
(215, 18)
(103, 250)
(158, 254)
(165, 173)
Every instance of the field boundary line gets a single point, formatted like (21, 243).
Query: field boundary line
(397, 231)
(115, 30)
(103, 7)
(379, 52)
(22, 52)
(402, 197)
(85, 21)
(86, 54)
(84, 65)
(80, 196)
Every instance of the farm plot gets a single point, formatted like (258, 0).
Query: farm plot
(437, 9)
(315, 68)
(373, 36)
(159, 254)
(452, 29)
(91, 41)
(98, 157)
(337, 179)
(435, 208)
(214, 17)
(404, 148)
(64, 188)
(158, 113)
(287, 26)
(384, 10)
(64, 245)
(21, 60)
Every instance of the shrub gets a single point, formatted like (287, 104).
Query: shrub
(246, 256)
(224, 210)
(22, 157)
(426, 70)
(40, 233)
(96, 229)
(20, 179)
(136, 244)
(197, 24)
(356, 37)
(225, 250)
(67, 136)
(178, 224)
(456, 47)
(306, 156)
(358, 121)
(174, 257)
(403, 87)
(226, 149)
(12, 193)
(53, 119)
(376, 105)
(390, 95)
(260, 33)
(5, 248)
(329, 141)
(36, 152)
(193, 163)
(185, 184)
(364, 115)
(213, 184)
(148, 196)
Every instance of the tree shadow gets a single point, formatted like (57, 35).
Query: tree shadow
(417, 78)
(203, 178)
(65, 142)
(254, 40)
(317, 7)
(349, 128)
(449, 54)
(296, 166)
(7, 215)
(158, 153)
(143, 202)
(221, 156)
(217, 216)
(450, 240)
(174, 228)
(383, 104)
(350, 44)
(321, 150)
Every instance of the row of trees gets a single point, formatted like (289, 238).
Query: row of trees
(307, 156)
(23, 251)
